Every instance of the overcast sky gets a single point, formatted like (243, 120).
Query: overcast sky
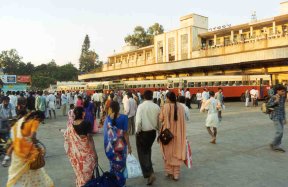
(41, 30)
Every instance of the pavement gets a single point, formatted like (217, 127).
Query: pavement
(241, 157)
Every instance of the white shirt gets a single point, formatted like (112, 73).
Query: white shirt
(51, 98)
(147, 116)
(95, 97)
(130, 107)
(253, 93)
(155, 95)
(13, 100)
(158, 94)
(199, 96)
(100, 95)
(188, 95)
(187, 112)
(63, 99)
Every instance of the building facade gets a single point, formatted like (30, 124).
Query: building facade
(257, 47)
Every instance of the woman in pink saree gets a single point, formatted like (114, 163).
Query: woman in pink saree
(79, 147)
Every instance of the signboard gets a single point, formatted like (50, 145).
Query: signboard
(23, 78)
(8, 79)
(14, 87)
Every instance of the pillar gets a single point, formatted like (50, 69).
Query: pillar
(232, 36)
(215, 39)
(274, 27)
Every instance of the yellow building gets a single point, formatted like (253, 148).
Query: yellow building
(257, 47)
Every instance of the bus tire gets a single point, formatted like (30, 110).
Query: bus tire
(242, 97)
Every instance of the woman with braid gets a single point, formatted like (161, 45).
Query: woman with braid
(116, 141)
(172, 117)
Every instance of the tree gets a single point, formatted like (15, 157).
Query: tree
(9, 61)
(142, 38)
(89, 59)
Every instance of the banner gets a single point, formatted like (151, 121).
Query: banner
(23, 78)
(8, 79)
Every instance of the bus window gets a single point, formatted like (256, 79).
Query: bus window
(232, 83)
(210, 83)
(203, 84)
(265, 82)
(217, 83)
(245, 82)
(190, 84)
(224, 83)
(134, 86)
(138, 86)
(170, 85)
(176, 85)
(106, 87)
(238, 83)
(162, 85)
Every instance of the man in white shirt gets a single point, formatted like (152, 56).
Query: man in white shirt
(155, 96)
(205, 95)
(96, 101)
(253, 95)
(13, 99)
(64, 103)
(188, 98)
(199, 98)
(130, 108)
(51, 99)
(158, 97)
(147, 119)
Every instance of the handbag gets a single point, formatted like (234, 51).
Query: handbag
(107, 179)
(39, 162)
(165, 136)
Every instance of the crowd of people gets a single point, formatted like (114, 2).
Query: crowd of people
(121, 115)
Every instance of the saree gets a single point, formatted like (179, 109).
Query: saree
(116, 146)
(19, 173)
(81, 153)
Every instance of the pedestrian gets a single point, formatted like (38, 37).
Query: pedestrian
(89, 111)
(96, 100)
(278, 116)
(155, 96)
(79, 102)
(220, 97)
(174, 153)
(158, 97)
(139, 96)
(182, 101)
(147, 119)
(31, 102)
(130, 108)
(188, 98)
(247, 98)
(79, 147)
(51, 105)
(108, 102)
(25, 152)
(253, 96)
(199, 98)
(64, 103)
(116, 142)
(40, 103)
(212, 120)
(22, 103)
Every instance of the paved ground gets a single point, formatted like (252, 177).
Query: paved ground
(241, 156)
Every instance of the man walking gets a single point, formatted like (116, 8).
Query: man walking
(188, 98)
(64, 103)
(253, 96)
(219, 96)
(199, 98)
(40, 103)
(130, 108)
(96, 101)
(51, 104)
(147, 118)
(278, 116)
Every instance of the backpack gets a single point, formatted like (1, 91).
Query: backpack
(266, 109)
(116, 142)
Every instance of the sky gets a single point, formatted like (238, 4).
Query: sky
(55, 29)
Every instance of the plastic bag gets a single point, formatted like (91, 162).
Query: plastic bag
(188, 161)
(133, 167)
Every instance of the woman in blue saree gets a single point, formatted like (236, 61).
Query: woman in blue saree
(116, 142)
(89, 111)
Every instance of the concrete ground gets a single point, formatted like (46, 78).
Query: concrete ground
(241, 157)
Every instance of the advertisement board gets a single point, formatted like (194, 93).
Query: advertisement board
(8, 79)
(23, 78)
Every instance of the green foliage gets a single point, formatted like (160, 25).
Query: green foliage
(89, 59)
(141, 37)
(42, 75)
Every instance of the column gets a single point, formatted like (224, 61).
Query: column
(144, 53)
(232, 36)
(114, 62)
(164, 48)
(251, 32)
(176, 47)
(274, 27)
(136, 58)
(215, 39)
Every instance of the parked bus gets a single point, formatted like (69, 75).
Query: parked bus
(234, 86)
